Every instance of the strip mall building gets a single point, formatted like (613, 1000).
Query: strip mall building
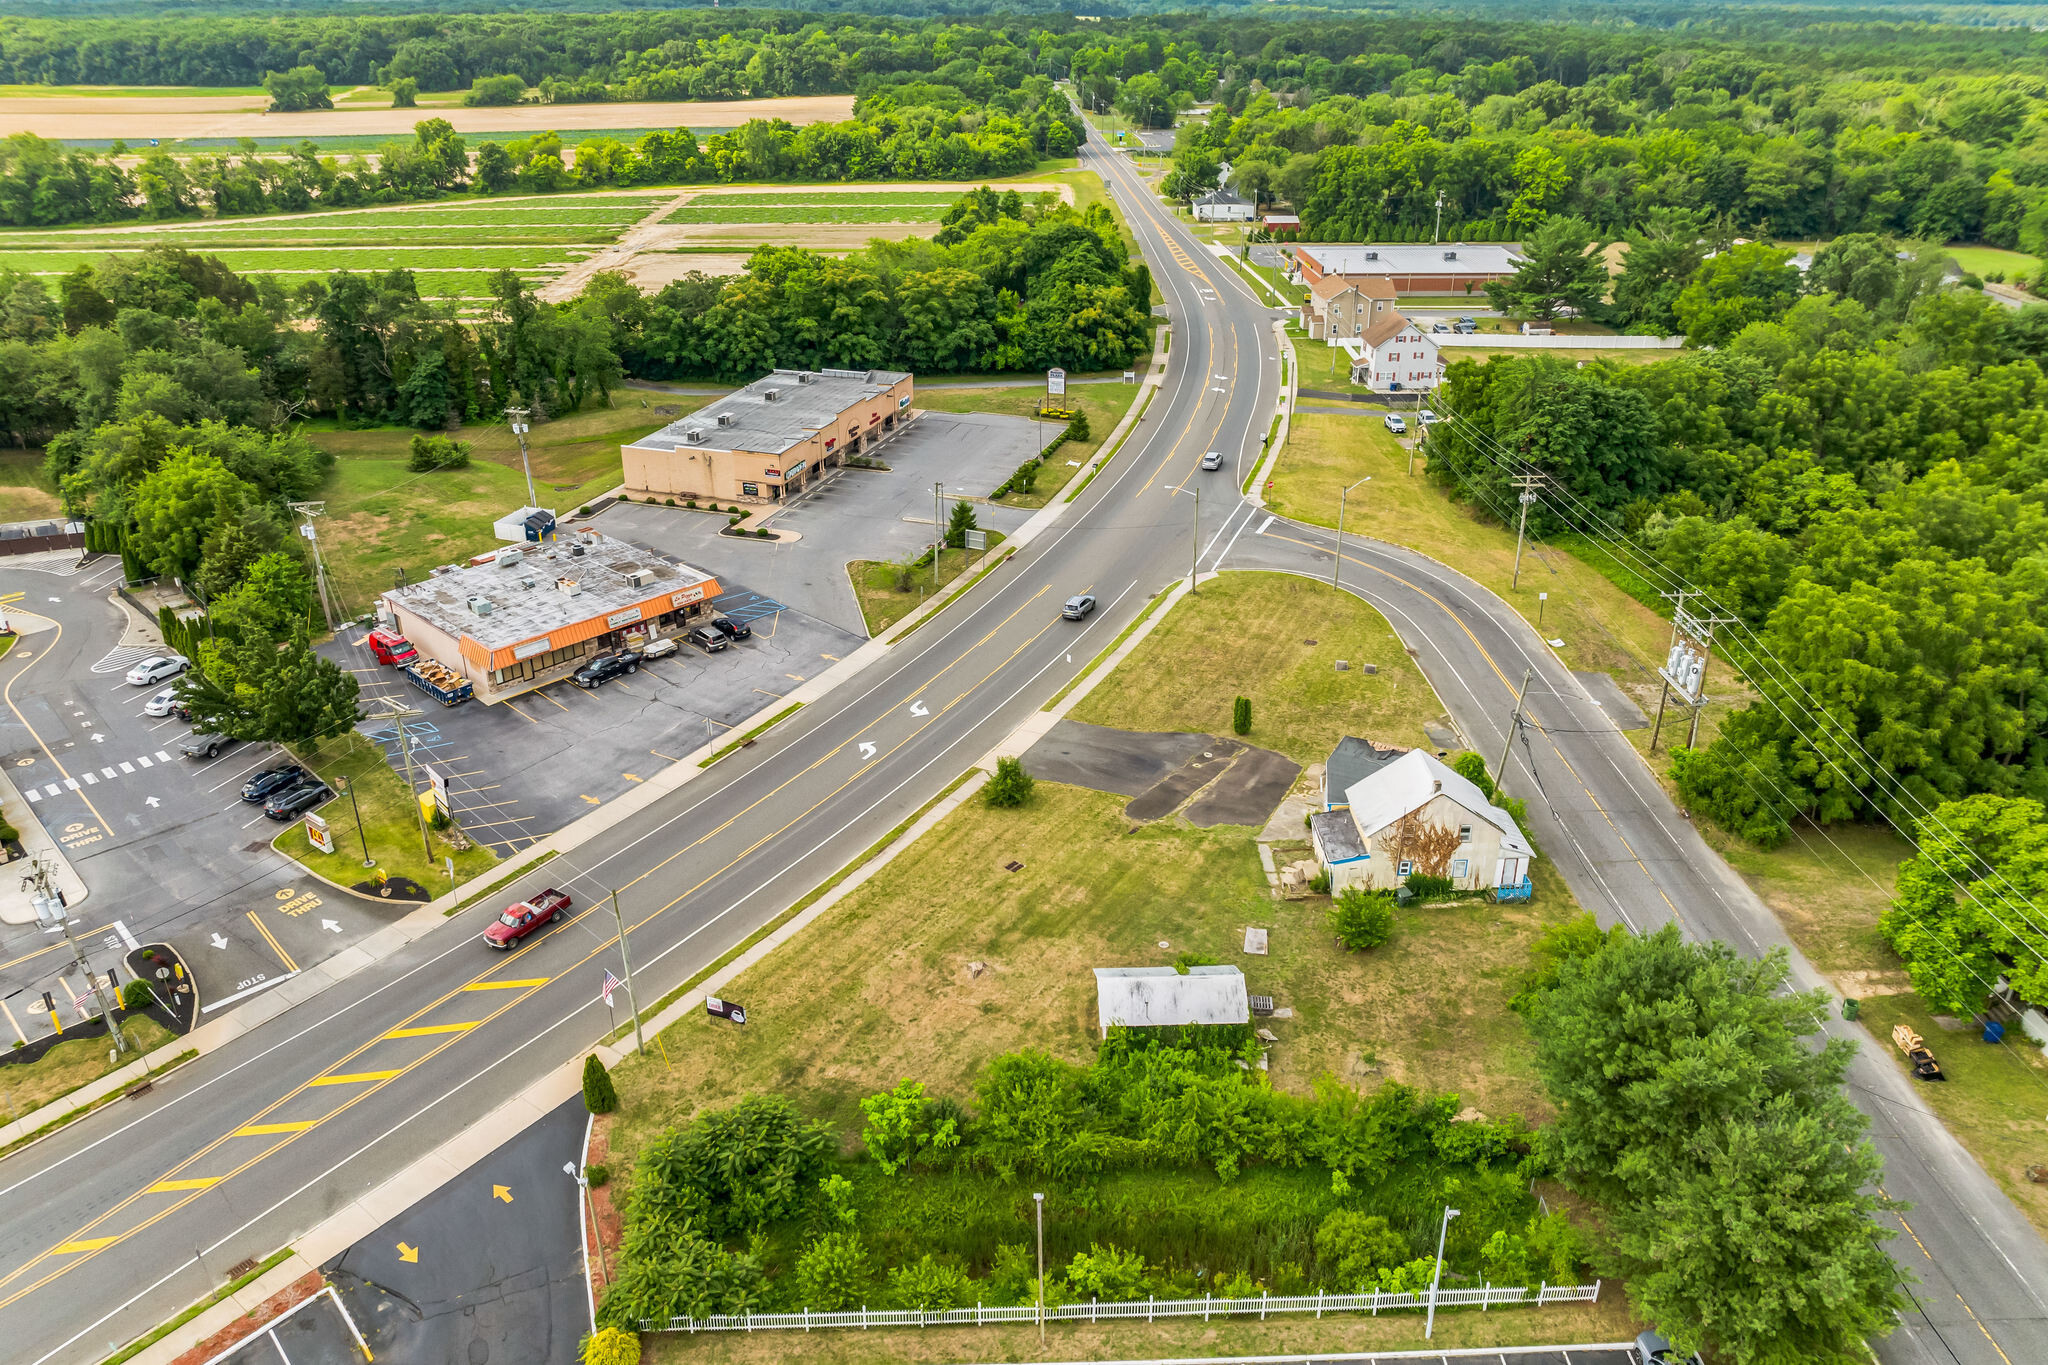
(767, 441)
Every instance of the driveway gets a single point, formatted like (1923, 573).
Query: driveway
(167, 850)
(852, 514)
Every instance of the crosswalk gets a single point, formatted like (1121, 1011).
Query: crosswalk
(90, 778)
(123, 657)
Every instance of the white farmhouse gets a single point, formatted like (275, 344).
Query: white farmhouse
(1414, 814)
(1393, 354)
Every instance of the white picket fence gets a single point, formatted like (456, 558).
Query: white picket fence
(1482, 1298)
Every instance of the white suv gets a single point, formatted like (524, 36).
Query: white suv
(1397, 424)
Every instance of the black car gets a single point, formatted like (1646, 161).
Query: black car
(271, 781)
(201, 745)
(708, 640)
(289, 802)
(605, 667)
(731, 629)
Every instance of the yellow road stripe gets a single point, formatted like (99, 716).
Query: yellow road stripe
(426, 1029)
(352, 1077)
(89, 1244)
(171, 1186)
(519, 985)
(266, 1129)
(276, 947)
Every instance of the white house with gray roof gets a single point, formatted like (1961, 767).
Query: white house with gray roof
(1415, 814)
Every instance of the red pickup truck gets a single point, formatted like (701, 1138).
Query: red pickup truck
(391, 648)
(526, 917)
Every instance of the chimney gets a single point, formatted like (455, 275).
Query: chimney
(1436, 785)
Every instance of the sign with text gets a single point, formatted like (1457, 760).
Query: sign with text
(317, 833)
(622, 618)
(725, 1009)
(530, 648)
(1056, 382)
(687, 596)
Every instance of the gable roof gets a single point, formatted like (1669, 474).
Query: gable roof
(1369, 286)
(1152, 997)
(1408, 783)
(1226, 195)
(1354, 759)
(1383, 329)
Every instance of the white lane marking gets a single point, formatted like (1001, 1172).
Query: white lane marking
(1265, 525)
(142, 760)
(243, 995)
(33, 795)
(128, 767)
(90, 780)
(162, 757)
(110, 774)
(121, 928)
(70, 784)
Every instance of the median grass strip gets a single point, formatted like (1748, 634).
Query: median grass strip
(390, 824)
(754, 733)
(889, 591)
(232, 1287)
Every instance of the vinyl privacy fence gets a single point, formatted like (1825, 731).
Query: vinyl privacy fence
(1482, 1298)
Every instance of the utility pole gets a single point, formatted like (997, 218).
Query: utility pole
(1528, 484)
(330, 606)
(56, 919)
(1039, 1199)
(938, 531)
(399, 716)
(1438, 235)
(1337, 564)
(1429, 1328)
(517, 418)
(1195, 541)
(1500, 773)
(625, 957)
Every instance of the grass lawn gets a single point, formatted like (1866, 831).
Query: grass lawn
(1603, 627)
(389, 823)
(851, 211)
(1609, 1320)
(1105, 405)
(382, 517)
(67, 1066)
(1249, 634)
(886, 598)
(1993, 260)
(25, 494)
(1626, 355)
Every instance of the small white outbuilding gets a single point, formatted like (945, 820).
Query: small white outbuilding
(1157, 997)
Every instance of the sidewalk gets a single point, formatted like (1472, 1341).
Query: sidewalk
(15, 904)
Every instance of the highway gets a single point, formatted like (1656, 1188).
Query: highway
(108, 1226)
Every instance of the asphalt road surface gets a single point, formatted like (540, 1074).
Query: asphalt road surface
(257, 1142)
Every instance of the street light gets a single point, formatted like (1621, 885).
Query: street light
(590, 1211)
(1430, 1326)
(1040, 1200)
(1337, 568)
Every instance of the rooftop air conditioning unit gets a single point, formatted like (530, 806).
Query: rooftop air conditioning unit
(570, 587)
(575, 552)
(725, 419)
(1372, 255)
(482, 606)
(508, 559)
(770, 395)
(635, 577)
(526, 583)
(694, 435)
(806, 377)
(1450, 255)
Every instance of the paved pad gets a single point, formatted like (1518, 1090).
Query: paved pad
(1248, 792)
(1160, 771)
(1127, 762)
(1183, 782)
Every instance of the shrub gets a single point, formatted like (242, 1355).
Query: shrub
(763, 533)
(835, 1203)
(691, 503)
(1077, 430)
(8, 833)
(1011, 785)
(733, 1170)
(928, 1285)
(611, 1346)
(1320, 883)
(436, 452)
(669, 1270)
(902, 1125)
(1012, 1276)
(1362, 919)
(1472, 768)
(671, 502)
(1241, 716)
(135, 995)
(833, 1273)
(1183, 961)
(735, 510)
(599, 1096)
(1427, 888)
(1104, 1272)
(598, 1176)
(584, 510)
(1354, 1248)
(959, 522)
(1505, 1259)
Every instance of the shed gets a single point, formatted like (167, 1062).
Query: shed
(1161, 997)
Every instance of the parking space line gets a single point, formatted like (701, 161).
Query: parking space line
(766, 693)
(275, 946)
(521, 714)
(493, 824)
(542, 694)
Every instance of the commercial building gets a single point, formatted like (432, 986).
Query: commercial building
(525, 616)
(1338, 306)
(765, 442)
(1412, 268)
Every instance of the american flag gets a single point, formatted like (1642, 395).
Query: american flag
(611, 983)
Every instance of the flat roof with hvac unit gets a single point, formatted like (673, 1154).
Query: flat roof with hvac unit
(520, 616)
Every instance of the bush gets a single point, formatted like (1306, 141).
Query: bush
(8, 833)
(1362, 919)
(928, 1285)
(1077, 430)
(405, 93)
(1105, 1273)
(495, 90)
(902, 1125)
(598, 1176)
(690, 503)
(1472, 768)
(1241, 716)
(1355, 1248)
(1427, 888)
(599, 1096)
(833, 1273)
(430, 453)
(732, 1170)
(671, 502)
(1011, 785)
(763, 533)
(611, 1346)
(136, 995)
(1012, 1276)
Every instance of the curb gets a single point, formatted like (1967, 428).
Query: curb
(1257, 497)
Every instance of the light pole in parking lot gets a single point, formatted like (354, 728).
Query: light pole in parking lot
(1429, 1327)
(516, 419)
(361, 837)
(399, 715)
(1337, 566)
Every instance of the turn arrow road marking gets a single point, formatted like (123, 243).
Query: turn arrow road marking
(219, 942)
(330, 926)
(500, 1192)
(410, 1255)
(867, 750)
(918, 708)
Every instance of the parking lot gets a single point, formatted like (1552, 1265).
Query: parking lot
(852, 513)
(522, 769)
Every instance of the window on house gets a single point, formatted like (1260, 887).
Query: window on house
(1406, 867)
(1460, 868)
(1464, 834)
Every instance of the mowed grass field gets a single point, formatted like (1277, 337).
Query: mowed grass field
(453, 248)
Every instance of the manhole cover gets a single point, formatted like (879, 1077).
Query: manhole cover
(1013, 867)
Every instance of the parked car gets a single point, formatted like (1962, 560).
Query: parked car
(1465, 326)
(1439, 327)
(200, 744)
(1427, 418)
(708, 640)
(605, 667)
(390, 647)
(1396, 424)
(1653, 1349)
(289, 802)
(156, 668)
(272, 781)
(658, 649)
(161, 703)
(524, 917)
(1078, 606)
(731, 629)
(1213, 460)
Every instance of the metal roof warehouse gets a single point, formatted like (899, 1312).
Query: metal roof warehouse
(529, 614)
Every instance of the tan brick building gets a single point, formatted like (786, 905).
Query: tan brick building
(768, 440)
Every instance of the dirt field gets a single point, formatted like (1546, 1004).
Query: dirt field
(655, 269)
(233, 116)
